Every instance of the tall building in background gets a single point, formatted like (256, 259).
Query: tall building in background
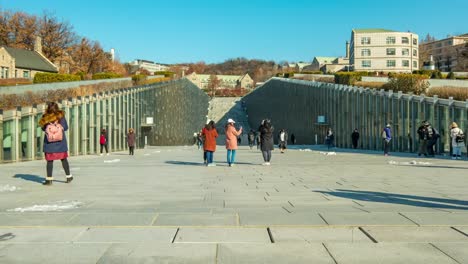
(383, 50)
(447, 53)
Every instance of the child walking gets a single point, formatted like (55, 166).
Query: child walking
(54, 125)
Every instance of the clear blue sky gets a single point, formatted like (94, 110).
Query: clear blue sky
(177, 31)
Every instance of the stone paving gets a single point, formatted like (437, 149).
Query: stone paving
(163, 206)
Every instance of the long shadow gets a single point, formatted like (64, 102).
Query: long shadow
(439, 167)
(190, 163)
(395, 198)
(30, 177)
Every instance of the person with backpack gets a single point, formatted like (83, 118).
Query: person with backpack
(231, 141)
(54, 124)
(266, 139)
(458, 141)
(251, 138)
(423, 137)
(386, 137)
(432, 137)
(209, 144)
(103, 141)
(330, 139)
(131, 141)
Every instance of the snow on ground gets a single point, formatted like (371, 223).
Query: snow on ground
(8, 188)
(57, 206)
(112, 161)
(413, 162)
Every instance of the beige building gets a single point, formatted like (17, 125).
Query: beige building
(328, 64)
(384, 50)
(226, 81)
(446, 53)
(22, 63)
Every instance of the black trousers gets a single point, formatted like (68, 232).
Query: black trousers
(386, 146)
(131, 150)
(104, 146)
(50, 167)
(430, 146)
(355, 144)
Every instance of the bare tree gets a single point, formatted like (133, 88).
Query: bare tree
(213, 84)
(56, 36)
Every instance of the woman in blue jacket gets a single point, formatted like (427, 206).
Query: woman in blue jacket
(54, 124)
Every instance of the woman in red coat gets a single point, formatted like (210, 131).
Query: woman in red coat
(209, 145)
(231, 141)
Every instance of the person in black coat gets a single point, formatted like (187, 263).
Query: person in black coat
(355, 138)
(266, 140)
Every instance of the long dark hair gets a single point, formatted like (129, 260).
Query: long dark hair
(210, 125)
(52, 114)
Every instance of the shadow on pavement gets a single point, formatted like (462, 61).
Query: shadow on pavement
(395, 198)
(176, 162)
(30, 177)
(440, 167)
(7, 236)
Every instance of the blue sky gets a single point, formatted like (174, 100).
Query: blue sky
(178, 31)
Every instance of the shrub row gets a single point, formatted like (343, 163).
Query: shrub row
(458, 93)
(43, 77)
(168, 74)
(407, 83)
(106, 75)
(311, 72)
(349, 78)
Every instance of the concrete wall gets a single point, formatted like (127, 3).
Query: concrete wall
(295, 105)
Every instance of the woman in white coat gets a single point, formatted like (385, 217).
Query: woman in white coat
(458, 140)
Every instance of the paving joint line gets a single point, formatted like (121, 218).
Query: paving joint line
(459, 231)
(323, 219)
(175, 235)
(367, 234)
(272, 240)
(443, 252)
(409, 219)
(329, 253)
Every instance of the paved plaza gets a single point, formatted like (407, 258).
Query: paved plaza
(163, 206)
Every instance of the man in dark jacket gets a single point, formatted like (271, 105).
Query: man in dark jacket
(355, 138)
(432, 136)
(423, 137)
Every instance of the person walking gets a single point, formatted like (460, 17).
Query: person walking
(283, 139)
(258, 139)
(54, 124)
(458, 141)
(432, 137)
(131, 141)
(266, 139)
(231, 141)
(355, 138)
(251, 138)
(103, 141)
(209, 144)
(329, 139)
(423, 136)
(293, 139)
(386, 137)
(199, 139)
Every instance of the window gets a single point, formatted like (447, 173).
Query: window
(405, 52)
(415, 53)
(365, 41)
(366, 63)
(438, 45)
(415, 41)
(2, 73)
(391, 40)
(391, 51)
(16, 73)
(404, 40)
(415, 64)
(391, 63)
(365, 52)
(405, 63)
(25, 74)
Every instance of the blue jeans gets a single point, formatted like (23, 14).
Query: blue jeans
(231, 156)
(209, 157)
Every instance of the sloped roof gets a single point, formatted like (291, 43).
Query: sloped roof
(224, 78)
(28, 59)
(372, 30)
(324, 60)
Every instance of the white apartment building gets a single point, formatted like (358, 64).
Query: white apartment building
(150, 66)
(377, 50)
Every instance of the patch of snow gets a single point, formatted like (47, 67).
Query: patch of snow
(58, 206)
(157, 151)
(305, 150)
(413, 162)
(328, 153)
(112, 161)
(8, 188)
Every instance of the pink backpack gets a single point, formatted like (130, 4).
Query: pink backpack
(54, 132)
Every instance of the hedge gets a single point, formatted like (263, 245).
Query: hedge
(106, 75)
(349, 78)
(43, 77)
(311, 72)
(408, 83)
(139, 79)
(165, 73)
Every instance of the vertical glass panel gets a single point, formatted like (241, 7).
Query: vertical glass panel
(72, 131)
(25, 148)
(7, 140)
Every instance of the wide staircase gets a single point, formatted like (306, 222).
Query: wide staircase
(223, 108)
